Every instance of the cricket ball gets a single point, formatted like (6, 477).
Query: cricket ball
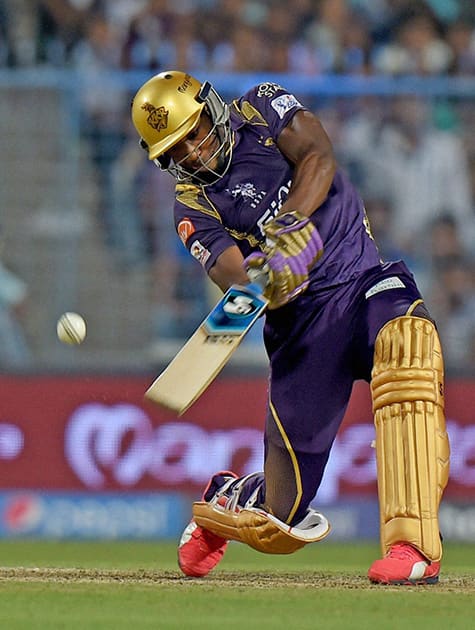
(71, 328)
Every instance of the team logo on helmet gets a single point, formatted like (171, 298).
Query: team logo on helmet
(158, 116)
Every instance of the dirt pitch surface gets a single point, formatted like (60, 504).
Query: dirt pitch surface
(448, 583)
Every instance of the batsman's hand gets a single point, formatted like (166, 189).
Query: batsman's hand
(293, 246)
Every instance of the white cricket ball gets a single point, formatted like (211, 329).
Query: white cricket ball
(71, 328)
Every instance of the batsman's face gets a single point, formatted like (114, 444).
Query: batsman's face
(199, 151)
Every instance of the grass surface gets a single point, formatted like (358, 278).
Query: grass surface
(82, 585)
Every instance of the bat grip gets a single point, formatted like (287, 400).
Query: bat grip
(259, 277)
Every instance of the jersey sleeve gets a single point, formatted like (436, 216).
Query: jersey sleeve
(274, 103)
(199, 226)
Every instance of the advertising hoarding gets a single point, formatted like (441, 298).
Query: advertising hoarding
(76, 437)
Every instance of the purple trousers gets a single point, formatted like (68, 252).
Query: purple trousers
(318, 346)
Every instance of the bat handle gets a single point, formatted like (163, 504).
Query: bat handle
(259, 277)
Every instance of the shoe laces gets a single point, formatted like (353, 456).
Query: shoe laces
(403, 551)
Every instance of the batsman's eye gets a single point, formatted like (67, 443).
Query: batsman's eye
(193, 134)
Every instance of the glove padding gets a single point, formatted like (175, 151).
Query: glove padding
(293, 246)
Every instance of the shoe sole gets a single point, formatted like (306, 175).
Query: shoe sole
(422, 582)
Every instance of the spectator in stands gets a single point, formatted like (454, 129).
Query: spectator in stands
(461, 38)
(244, 50)
(5, 50)
(179, 302)
(15, 352)
(471, 169)
(445, 242)
(335, 39)
(18, 33)
(446, 10)
(423, 169)
(323, 44)
(61, 27)
(150, 41)
(280, 31)
(380, 214)
(104, 110)
(444, 268)
(418, 46)
(453, 303)
(132, 247)
(328, 36)
(440, 245)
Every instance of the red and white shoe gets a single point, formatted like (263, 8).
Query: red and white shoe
(404, 564)
(199, 550)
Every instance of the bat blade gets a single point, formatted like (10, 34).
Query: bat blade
(208, 350)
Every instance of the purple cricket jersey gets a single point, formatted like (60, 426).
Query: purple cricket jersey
(323, 341)
(233, 210)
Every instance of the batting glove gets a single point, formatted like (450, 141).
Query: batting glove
(293, 246)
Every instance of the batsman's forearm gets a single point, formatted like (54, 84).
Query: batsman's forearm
(228, 269)
(312, 179)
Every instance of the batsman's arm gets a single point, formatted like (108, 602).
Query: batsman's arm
(293, 243)
(228, 269)
(305, 143)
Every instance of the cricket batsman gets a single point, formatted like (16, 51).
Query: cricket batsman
(259, 194)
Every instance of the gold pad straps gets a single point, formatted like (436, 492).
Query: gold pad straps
(259, 529)
(412, 447)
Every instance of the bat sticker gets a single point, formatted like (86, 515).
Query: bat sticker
(209, 348)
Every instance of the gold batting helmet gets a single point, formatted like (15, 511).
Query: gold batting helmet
(165, 110)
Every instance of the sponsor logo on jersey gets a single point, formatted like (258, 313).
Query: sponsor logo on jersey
(199, 251)
(283, 103)
(185, 229)
(384, 285)
(274, 207)
(268, 89)
(248, 192)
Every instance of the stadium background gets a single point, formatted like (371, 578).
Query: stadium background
(86, 225)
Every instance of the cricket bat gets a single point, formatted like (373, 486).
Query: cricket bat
(209, 348)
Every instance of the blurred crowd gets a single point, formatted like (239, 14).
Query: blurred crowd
(298, 36)
(412, 157)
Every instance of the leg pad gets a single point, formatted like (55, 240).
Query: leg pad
(259, 529)
(412, 446)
